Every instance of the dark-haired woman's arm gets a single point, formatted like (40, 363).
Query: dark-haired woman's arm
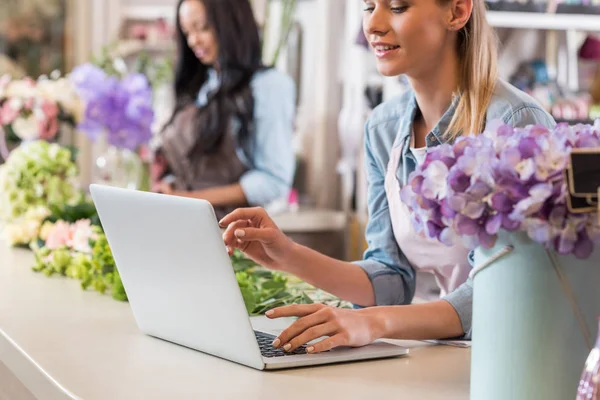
(230, 195)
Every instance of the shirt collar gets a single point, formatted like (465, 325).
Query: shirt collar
(437, 134)
(212, 84)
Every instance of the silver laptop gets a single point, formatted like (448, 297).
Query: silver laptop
(181, 283)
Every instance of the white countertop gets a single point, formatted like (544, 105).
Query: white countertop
(63, 343)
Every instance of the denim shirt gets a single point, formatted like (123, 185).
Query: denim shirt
(390, 124)
(269, 154)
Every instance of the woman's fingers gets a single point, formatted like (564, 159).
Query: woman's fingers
(295, 310)
(313, 315)
(255, 213)
(263, 235)
(328, 344)
(229, 237)
(310, 334)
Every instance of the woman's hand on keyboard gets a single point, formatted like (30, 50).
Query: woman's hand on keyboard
(343, 327)
(252, 231)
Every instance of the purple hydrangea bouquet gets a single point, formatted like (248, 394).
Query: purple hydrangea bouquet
(504, 194)
(120, 108)
(504, 179)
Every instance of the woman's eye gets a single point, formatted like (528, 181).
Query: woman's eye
(398, 10)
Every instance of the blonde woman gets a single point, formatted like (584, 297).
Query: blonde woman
(448, 52)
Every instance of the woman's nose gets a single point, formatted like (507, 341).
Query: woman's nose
(376, 23)
(192, 39)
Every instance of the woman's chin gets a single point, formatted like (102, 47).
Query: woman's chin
(389, 69)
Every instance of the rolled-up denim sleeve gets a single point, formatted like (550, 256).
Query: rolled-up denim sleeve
(273, 160)
(391, 275)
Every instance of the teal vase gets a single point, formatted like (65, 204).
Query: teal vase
(528, 341)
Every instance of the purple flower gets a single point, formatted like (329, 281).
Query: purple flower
(528, 147)
(538, 230)
(504, 179)
(493, 224)
(122, 109)
(510, 224)
(448, 237)
(89, 81)
(502, 203)
(446, 210)
(443, 153)
(583, 247)
(458, 180)
(532, 204)
(433, 230)
(510, 157)
(479, 189)
(467, 226)
(486, 240)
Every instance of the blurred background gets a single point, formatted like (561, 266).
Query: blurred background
(548, 48)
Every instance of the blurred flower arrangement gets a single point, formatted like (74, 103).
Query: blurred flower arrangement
(505, 178)
(78, 250)
(41, 207)
(33, 110)
(36, 177)
(119, 108)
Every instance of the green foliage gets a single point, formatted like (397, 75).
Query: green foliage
(261, 289)
(71, 214)
(96, 271)
(264, 290)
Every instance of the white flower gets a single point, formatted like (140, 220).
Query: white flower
(21, 88)
(16, 104)
(532, 204)
(526, 169)
(26, 128)
(82, 233)
(434, 184)
(62, 91)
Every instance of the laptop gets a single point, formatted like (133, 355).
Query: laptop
(182, 287)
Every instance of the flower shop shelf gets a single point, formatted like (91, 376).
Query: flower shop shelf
(311, 220)
(49, 326)
(544, 21)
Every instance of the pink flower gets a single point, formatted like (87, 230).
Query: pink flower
(10, 110)
(49, 122)
(60, 235)
(29, 103)
(139, 31)
(81, 233)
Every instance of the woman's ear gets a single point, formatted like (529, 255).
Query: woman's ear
(460, 14)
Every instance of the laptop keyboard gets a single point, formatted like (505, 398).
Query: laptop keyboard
(265, 342)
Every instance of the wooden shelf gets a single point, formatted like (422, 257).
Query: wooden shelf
(128, 48)
(544, 21)
(150, 12)
(311, 221)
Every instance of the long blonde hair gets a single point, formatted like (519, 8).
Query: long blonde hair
(478, 58)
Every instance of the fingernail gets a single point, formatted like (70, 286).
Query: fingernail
(221, 222)
(228, 249)
(310, 349)
(270, 312)
(276, 342)
(287, 347)
(240, 233)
